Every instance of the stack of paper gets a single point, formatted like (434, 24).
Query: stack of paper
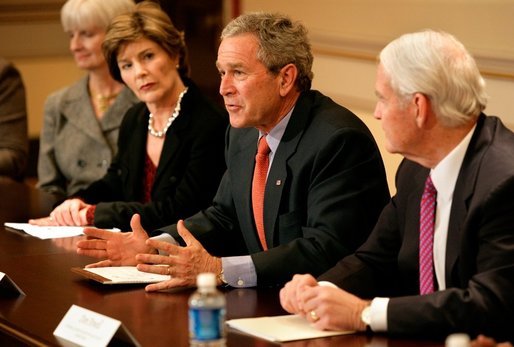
(119, 275)
(281, 328)
(48, 232)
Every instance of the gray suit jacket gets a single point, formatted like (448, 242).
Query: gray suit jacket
(13, 122)
(479, 262)
(324, 192)
(75, 148)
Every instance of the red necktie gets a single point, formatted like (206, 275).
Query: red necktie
(426, 238)
(259, 183)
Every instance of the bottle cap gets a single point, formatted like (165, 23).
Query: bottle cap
(206, 279)
(458, 340)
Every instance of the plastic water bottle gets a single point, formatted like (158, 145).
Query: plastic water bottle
(207, 308)
(458, 340)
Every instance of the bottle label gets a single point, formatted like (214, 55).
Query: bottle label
(206, 324)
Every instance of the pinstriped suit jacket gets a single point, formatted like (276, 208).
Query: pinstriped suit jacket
(479, 263)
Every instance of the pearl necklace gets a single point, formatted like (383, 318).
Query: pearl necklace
(171, 118)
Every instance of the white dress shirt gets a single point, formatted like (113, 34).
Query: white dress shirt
(444, 176)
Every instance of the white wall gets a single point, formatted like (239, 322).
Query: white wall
(346, 36)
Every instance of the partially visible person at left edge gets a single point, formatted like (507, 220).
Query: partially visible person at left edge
(325, 184)
(13, 122)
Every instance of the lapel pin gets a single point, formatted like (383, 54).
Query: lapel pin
(278, 182)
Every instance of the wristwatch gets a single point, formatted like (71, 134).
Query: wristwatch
(221, 277)
(366, 316)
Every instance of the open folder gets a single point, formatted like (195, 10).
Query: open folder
(119, 275)
(281, 328)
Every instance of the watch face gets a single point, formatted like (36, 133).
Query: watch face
(366, 315)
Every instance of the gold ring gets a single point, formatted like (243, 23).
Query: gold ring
(314, 316)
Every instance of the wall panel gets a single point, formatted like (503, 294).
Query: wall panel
(346, 36)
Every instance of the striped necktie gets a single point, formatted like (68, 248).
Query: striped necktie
(426, 238)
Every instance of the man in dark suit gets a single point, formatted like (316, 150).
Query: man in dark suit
(325, 184)
(430, 102)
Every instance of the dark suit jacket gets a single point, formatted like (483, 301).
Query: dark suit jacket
(324, 192)
(480, 248)
(13, 122)
(189, 171)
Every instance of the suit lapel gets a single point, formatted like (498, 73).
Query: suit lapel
(78, 111)
(277, 177)
(241, 178)
(172, 142)
(114, 114)
(136, 145)
(464, 188)
(412, 218)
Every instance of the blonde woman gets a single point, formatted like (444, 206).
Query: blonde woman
(81, 121)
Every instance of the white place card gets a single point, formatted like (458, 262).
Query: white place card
(87, 328)
(8, 287)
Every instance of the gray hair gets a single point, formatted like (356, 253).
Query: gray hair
(84, 13)
(281, 42)
(437, 65)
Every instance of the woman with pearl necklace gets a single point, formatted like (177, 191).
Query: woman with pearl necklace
(170, 146)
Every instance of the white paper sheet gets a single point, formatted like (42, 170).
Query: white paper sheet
(48, 232)
(281, 328)
(125, 275)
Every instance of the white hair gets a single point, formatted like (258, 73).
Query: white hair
(76, 14)
(437, 65)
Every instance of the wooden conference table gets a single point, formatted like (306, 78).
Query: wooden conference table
(41, 268)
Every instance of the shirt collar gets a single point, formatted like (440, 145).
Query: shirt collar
(444, 175)
(275, 135)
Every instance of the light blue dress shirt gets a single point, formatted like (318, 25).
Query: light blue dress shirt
(240, 271)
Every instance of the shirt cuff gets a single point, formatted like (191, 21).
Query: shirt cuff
(327, 284)
(90, 215)
(165, 238)
(239, 272)
(378, 309)
(378, 317)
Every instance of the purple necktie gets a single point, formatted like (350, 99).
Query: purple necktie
(426, 238)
